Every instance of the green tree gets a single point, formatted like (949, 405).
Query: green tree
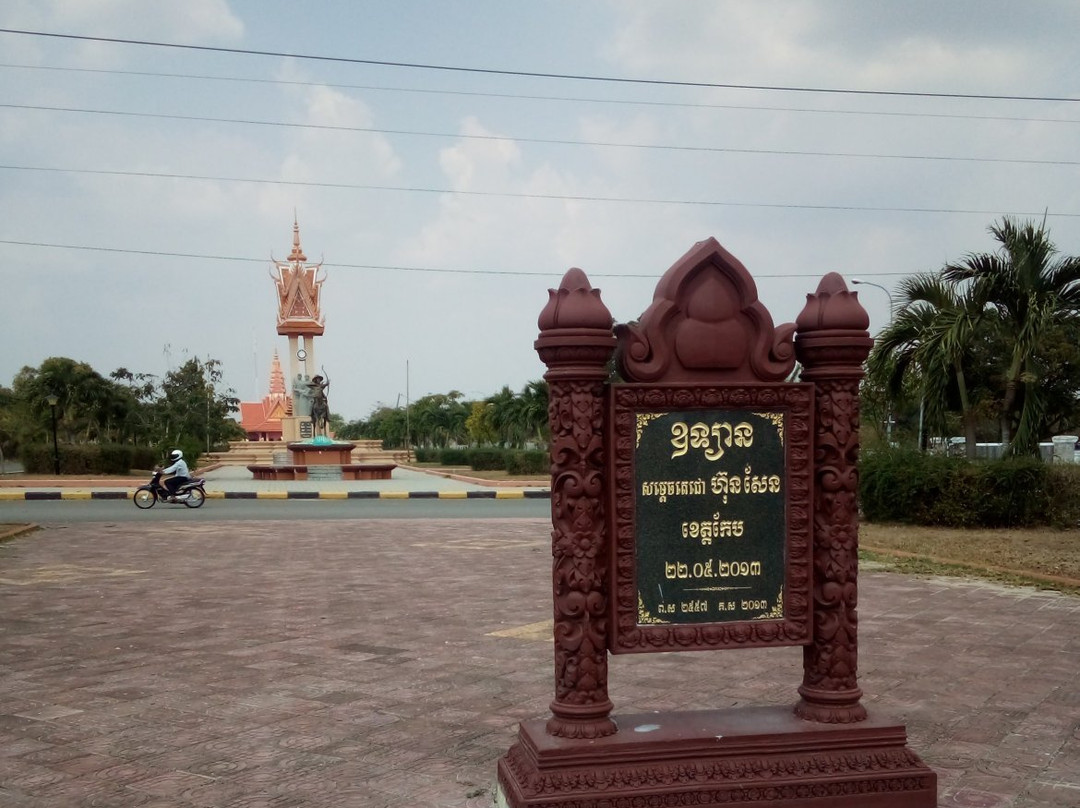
(136, 391)
(387, 424)
(925, 346)
(533, 411)
(85, 401)
(520, 418)
(479, 424)
(506, 418)
(336, 423)
(1031, 292)
(1058, 369)
(439, 420)
(9, 423)
(191, 412)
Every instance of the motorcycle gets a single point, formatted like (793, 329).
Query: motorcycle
(191, 493)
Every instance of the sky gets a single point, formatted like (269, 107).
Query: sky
(146, 188)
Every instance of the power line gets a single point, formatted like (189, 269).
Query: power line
(559, 98)
(511, 195)
(387, 267)
(544, 141)
(534, 74)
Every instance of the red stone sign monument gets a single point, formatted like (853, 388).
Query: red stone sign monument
(705, 502)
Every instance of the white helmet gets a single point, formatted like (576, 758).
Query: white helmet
(175, 455)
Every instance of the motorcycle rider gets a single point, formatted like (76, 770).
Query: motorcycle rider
(178, 470)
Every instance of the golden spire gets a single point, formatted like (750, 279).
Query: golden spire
(297, 254)
(277, 377)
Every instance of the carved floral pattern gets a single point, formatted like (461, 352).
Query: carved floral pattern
(576, 342)
(705, 324)
(579, 569)
(830, 663)
(832, 346)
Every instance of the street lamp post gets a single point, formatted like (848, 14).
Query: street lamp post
(892, 312)
(53, 401)
(882, 288)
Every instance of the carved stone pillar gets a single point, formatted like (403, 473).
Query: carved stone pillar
(575, 342)
(832, 342)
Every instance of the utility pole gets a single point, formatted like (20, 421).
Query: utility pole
(408, 439)
(209, 391)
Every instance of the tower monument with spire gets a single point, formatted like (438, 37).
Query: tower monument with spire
(300, 319)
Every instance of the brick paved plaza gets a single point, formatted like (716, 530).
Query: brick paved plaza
(387, 663)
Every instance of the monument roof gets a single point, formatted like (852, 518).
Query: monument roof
(298, 286)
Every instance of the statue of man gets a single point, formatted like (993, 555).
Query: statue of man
(320, 406)
(301, 390)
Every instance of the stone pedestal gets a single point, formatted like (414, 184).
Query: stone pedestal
(322, 459)
(296, 428)
(320, 453)
(753, 755)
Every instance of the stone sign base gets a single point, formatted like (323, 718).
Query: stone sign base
(747, 756)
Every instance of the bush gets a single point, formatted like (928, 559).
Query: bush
(898, 486)
(454, 457)
(39, 459)
(88, 458)
(528, 462)
(914, 488)
(423, 455)
(143, 458)
(488, 459)
(1064, 480)
(1014, 493)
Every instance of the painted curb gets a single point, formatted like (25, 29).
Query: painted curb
(76, 495)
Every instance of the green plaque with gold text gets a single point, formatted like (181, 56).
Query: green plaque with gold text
(711, 517)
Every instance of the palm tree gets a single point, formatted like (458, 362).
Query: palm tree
(1032, 293)
(439, 420)
(504, 417)
(926, 343)
(533, 411)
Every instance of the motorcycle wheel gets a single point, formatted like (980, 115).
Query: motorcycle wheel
(196, 497)
(144, 498)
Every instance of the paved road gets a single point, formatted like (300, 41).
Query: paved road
(386, 664)
(421, 489)
(78, 511)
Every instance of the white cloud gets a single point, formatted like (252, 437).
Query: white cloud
(482, 159)
(922, 46)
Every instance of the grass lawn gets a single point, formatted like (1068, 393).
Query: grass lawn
(1037, 557)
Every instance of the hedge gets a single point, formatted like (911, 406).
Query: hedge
(88, 458)
(487, 459)
(915, 488)
(528, 462)
(454, 457)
